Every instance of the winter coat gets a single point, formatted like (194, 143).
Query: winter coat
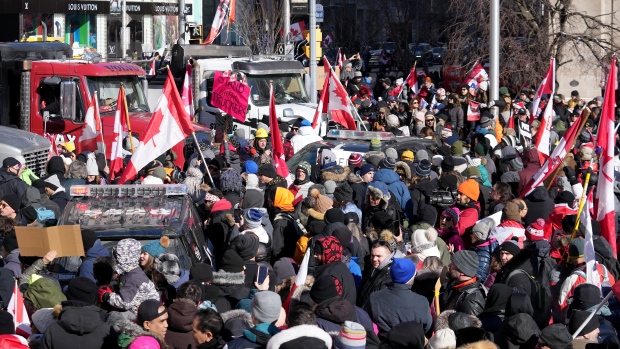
(339, 271)
(386, 205)
(395, 304)
(553, 222)
(232, 286)
(468, 299)
(11, 262)
(507, 230)
(61, 198)
(218, 232)
(359, 189)
(396, 187)
(421, 210)
(518, 331)
(251, 274)
(256, 337)
(451, 236)
(532, 165)
(180, 319)
(356, 65)
(495, 307)
(86, 269)
(331, 315)
(135, 289)
(375, 280)
(470, 214)
(286, 232)
(11, 184)
(79, 325)
(334, 173)
(539, 205)
(483, 198)
(456, 118)
(304, 137)
(46, 203)
(484, 250)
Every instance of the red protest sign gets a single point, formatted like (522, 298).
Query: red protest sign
(473, 111)
(230, 95)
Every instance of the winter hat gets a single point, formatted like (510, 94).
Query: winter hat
(449, 182)
(388, 163)
(330, 186)
(485, 121)
(510, 212)
(221, 205)
(91, 165)
(447, 164)
(375, 145)
(535, 232)
(82, 289)
(402, 270)
(149, 311)
(421, 155)
(169, 266)
(466, 261)
(201, 272)
(576, 248)
(472, 172)
(511, 247)
(88, 238)
(322, 203)
(230, 180)
(481, 149)
(355, 160)
(344, 193)
(232, 262)
(392, 120)
(579, 317)
(375, 160)
(301, 337)
(446, 132)
(157, 247)
(367, 168)
(10, 162)
(453, 213)
(408, 334)
(30, 214)
(457, 148)
(423, 242)
(565, 197)
(470, 189)
(10, 242)
(483, 228)
(250, 167)
(516, 164)
(442, 339)
(7, 326)
(304, 166)
(42, 319)
(284, 268)
(407, 155)
(44, 293)
(391, 153)
(324, 288)
(423, 169)
(253, 199)
(352, 336)
(14, 201)
(266, 307)
(127, 255)
(245, 245)
(328, 156)
(556, 336)
(253, 218)
(334, 215)
(267, 170)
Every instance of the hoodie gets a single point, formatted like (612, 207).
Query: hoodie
(11, 262)
(256, 337)
(86, 269)
(539, 205)
(304, 137)
(180, 319)
(396, 187)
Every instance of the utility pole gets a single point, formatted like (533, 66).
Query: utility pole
(124, 43)
(312, 57)
(287, 24)
(494, 52)
(181, 22)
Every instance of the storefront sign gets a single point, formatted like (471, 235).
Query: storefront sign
(133, 8)
(165, 9)
(91, 7)
(189, 10)
(62, 6)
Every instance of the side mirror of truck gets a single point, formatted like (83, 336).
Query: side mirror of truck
(67, 99)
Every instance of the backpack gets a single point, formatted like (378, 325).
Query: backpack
(612, 265)
(299, 228)
(540, 297)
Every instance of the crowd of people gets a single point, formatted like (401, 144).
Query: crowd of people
(401, 248)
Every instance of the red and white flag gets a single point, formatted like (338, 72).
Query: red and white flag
(592, 275)
(554, 160)
(53, 147)
(547, 86)
(473, 111)
(323, 100)
(277, 149)
(471, 79)
(91, 138)
(384, 58)
(339, 60)
(410, 80)
(544, 131)
(329, 39)
(340, 104)
(225, 13)
(168, 127)
(297, 31)
(152, 67)
(604, 199)
(17, 308)
(120, 132)
(187, 95)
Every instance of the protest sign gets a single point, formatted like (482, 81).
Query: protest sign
(64, 239)
(473, 111)
(230, 95)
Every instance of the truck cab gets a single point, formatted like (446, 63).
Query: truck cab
(48, 93)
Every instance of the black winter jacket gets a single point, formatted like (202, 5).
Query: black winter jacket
(539, 205)
(375, 280)
(468, 299)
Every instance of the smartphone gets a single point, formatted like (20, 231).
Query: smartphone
(238, 213)
(261, 275)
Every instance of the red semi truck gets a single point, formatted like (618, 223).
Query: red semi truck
(41, 81)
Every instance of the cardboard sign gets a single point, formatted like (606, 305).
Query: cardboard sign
(36, 242)
(230, 95)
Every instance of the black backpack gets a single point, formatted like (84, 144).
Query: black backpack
(540, 298)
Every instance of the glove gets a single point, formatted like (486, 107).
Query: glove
(570, 175)
(482, 105)
(491, 104)
(103, 294)
(593, 179)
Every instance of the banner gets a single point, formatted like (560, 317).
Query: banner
(473, 111)
(230, 95)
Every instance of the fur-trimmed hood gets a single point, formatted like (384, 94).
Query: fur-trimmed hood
(237, 314)
(297, 332)
(353, 178)
(222, 278)
(403, 166)
(122, 325)
(335, 173)
(316, 214)
(302, 293)
(235, 322)
(378, 189)
(444, 322)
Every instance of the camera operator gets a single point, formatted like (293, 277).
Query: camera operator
(467, 203)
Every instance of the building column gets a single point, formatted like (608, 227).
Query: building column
(102, 35)
(147, 27)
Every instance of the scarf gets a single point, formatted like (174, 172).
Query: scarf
(284, 200)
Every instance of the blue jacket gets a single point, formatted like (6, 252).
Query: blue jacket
(183, 278)
(484, 251)
(351, 207)
(355, 269)
(396, 187)
(86, 269)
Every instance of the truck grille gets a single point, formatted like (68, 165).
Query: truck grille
(36, 160)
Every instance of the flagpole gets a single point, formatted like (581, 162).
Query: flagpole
(582, 203)
(202, 157)
(587, 320)
(99, 122)
(127, 117)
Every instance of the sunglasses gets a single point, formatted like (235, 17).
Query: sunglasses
(429, 120)
(415, 103)
(381, 243)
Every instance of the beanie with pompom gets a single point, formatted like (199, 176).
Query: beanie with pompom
(157, 247)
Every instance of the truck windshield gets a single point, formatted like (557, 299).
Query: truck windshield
(288, 88)
(107, 92)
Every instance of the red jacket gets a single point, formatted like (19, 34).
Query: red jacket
(554, 220)
(468, 218)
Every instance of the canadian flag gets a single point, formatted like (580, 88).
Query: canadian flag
(92, 138)
(323, 99)
(339, 59)
(592, 275)
(120, 132)
(53, 147)
(339, 103)
(604, 199)
(473, 111)
(152, 67)
(225, 11)
(554, 160)
(547, 86)
(471, 79)
(384, 58)
(329, 39)
(277, 149)
(297, 31)
(168, 127)
(187, 95)
(410, 80)
(544, 131)
(17, 308)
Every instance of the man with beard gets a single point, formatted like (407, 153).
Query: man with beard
(463, 293)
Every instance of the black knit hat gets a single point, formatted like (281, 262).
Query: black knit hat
(10, 242)
(466, 261)
(565, 197)
(343, 234)
(449, 182)
(245, 245)
(29, 214)
(323, 289)
(82, 289)
(556, 336)
(232, 262)
(13, 200)
(344, 193)
(511, 247)
(334, 215)
(7, 326)
(579, 317)
(201, 272)
(88, 239)
(351, 217)
(447, 164)
(267, 170)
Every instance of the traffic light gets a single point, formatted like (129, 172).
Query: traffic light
(319, 40)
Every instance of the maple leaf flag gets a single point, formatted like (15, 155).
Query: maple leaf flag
(471, 79)
(168, 126)
(384, 58)
(277, 149)
(604, 199)
(91, 138)
(225, 13)
(119, 133)
(152, 67)
(297, 31)
(187, 95)
(17, 308)
(323, 99)
(544, 131)
(547, 86)
(339, 104)
(473, 111)
(410, 80)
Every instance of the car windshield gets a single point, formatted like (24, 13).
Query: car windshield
(176, 248)
(107, 92)
(288, 88)
(437, 50)
(308, 153)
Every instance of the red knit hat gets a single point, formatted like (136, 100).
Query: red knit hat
(534, 231)
(221, 205)
(470, 189)
(355, 160)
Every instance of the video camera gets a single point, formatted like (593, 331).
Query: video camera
(442, 198)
